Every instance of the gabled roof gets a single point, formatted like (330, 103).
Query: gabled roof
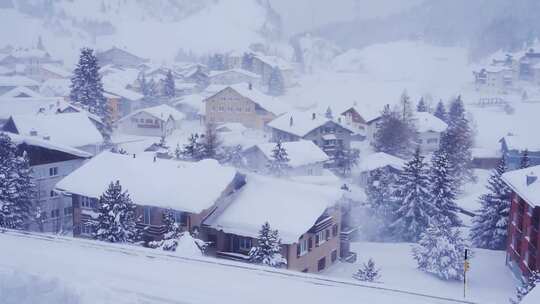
(380, 160)
(300, 153)
(302, 123)
(119, 91)
(161, 112)
(517, 180)
(46, 144)
(523, 142)
(290, 207)
(70, 129)
(29, 105)
(183, 186)
(15, 81)
(426, 122)
(239, 71)
(274, 61)
(58, 70)
(20, 92)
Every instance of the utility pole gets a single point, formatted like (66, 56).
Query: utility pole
(465, 269)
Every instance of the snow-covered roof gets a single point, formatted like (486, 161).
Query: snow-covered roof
(518, 179)
(380, 160)
(29, 105)
(55, 87)
(14, 81)
(497, 69)
(240, 71)
(231, 127)
(180, 85)
(70, 129)
(527, 141)
(122, 92)
(302, 122)
(274, 61)
(195, 101)
(27, 53)
(183, 186)
(426, 122)
(533, 297)
(114, 77)
(20, 92)
(5, 70)
(47, 144)
(290, 207)
(161, 112)
(300, 153)
(56, 69)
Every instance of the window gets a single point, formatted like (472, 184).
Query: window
(178, 217)
(53, 193)
(335, 230)
(321, 264)
(334, 255)
(245, 244)
(53, 171)
(86, 229)
(320, 238)
(55, 213)
(68, 211)
(327, 234)
(146, 217)
(86, 202)
(149, 121)
(303, 247)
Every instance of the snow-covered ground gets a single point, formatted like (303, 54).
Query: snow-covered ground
(96, 272)
(489, 279)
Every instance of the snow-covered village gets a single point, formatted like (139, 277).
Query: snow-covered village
(269, 151)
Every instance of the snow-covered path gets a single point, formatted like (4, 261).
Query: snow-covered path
(106, 273)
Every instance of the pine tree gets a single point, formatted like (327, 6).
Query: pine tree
(421, 106)
(380, 191)
(396, 131)
(173, 231)
(232, 155)
(169, 89)
(405, 107)
(116, 221)
(87, 89)
(210, 142)
(440, 111)
(440, 251)
(442, 190)
(525, 161)
(193, 150)
(489, 228)
(414, 206)
(279, 164)
(344, 160)
(526, 286)
(368, 272)
(276, 84)
(16, 187)
(268, 249)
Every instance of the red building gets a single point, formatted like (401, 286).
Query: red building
(523, 254)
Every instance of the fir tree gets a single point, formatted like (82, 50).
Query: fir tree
(405, 108)
(169, 89)
(116, 221)
(442, 190)
(232, 155)
(526, 286)
(414, 207)
(279, 163)
(276, 84)
(210, 142)
(16, 187)
(247, 62)
(421, 106)
(525, 161)
(395, 131)
(268, 249)
(193, 150)
(87, 89)
(344, 160)
(380, 191)
(440, 111)
(489, 228)
(368, 272)
(173, 231)
(440, 251)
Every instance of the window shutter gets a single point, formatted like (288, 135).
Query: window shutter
(298, 250)
(317, 240)
(327, 234)
(310, 244)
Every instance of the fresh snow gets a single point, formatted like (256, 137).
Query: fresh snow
(427, 122)
(161, 112)
(300, 153)
(47, 144)
(525, 183)
(302, 122)
(379, 160)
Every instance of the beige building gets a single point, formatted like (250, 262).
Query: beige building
(241, 103)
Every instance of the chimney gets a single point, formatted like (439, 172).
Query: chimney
(47, 137)
(531, 178)
(313, 116)
(33, 132)
(134, 155)
(155, 158)
(250, 86)
(291, 121)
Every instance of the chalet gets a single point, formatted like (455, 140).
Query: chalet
(309, 227)
(122, 101)
(243, 104)
(263, 65)
(327, 133)
(376, 163)
(527, 65)
(8, 83)
(183, 187)
(50, 162)
(499, 78)
(305, 158)
(191, 105)
(119, 57)
(160, 120)
(429, 130)
(522, 251)
(354, 120)
(234, 76)
(513, 146)
(84, 135)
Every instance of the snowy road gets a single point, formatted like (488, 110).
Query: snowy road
(107, 273)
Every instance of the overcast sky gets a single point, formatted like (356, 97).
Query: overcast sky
(302, 15)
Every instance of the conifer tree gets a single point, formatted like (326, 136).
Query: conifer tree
(116, 221)
(525, 162)
(173, 231)
(344, 160)
(276, 84)
(380, 191)
(368, 272)
(268, 249)
(169, 89)
(193, 150)
(390, 134)
(279, 163)
(442, 190)
(440, 111)
(87, 89)
(210, 142)
(247, 62)
(421, 106)
(489, 228)
(16, 187)
(414, 206)
(440, 251)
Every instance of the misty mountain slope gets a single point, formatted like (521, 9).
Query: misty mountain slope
(155, 29)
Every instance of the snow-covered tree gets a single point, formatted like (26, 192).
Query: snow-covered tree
(380, 191)
(489, 228)
(268, 249)
(87, 89)
(276, 84)
(210, 142)
(279, 163)
(116, 221)
(525, 162)
(441, 251)
(393, 135)
(421, 106)
(442, 190)
(173, 231)
(169, 89)
(247, 61)
(440, 111)
(231, 155)
(216, 62)
(526, 286)
(193, 150)
(414, 205)
(16, 187)
(368, 272)
(345, 159)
